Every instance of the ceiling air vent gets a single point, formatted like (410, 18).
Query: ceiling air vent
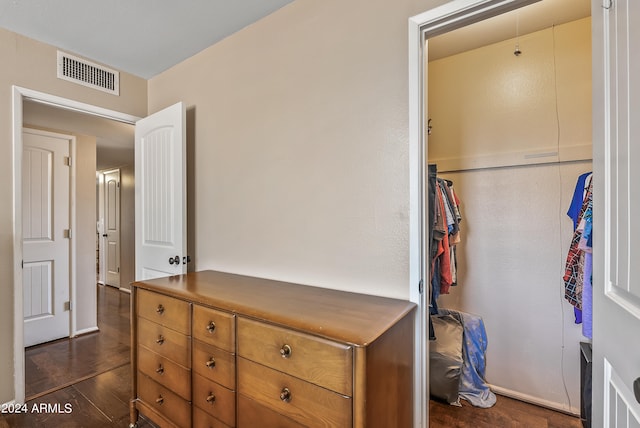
(87, 73)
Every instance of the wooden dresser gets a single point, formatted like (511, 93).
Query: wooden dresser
(212, 349)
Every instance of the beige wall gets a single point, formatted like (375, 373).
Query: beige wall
(127, 226)
(301, 168)
(31, 64)
(491, 108)
(515, 231)
(86, 304)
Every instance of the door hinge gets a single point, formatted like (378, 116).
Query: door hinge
(421, 286)
(67, 306)
(67, 233)
(23, 264)
(118, 269)
(67, 160)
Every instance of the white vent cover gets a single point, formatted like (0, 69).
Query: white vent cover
(86, 73)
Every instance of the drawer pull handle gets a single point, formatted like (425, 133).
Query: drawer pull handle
(160, 340)
(160, 369)
(160, 310)
(211, 327)
(211, 398)
(160, 400)
(285, 395)
(211, 363)
(285, 351)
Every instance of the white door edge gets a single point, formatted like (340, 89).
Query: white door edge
(19, 94)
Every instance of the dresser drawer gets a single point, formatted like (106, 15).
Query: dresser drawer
(164, 371)
(214, 327)
(164, 341)
(164, 310)
(307, 404)
(202, 419)
(214, 364)
(252, 414)
(319, 361)
(214, 399)
(165, 402)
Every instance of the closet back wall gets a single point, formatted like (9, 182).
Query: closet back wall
(514, 134)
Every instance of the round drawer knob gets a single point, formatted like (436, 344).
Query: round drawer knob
(160, 340)
(211, 398)
(211, 363)
(160, 310)
(160, 369)
(160, 400)
(211, 327)
(285, 395)
(285, 351)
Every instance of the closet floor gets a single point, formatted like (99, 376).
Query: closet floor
(506, 413)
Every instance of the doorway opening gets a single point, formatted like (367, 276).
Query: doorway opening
(425, 29)
(20, 97)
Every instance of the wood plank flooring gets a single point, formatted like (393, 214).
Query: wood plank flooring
(506, 413)
(86, 382)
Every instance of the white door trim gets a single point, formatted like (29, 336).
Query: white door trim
(448, 17)
(19, 94)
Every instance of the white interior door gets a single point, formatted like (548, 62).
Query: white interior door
(616, 346)
(111, 232)
(160, 165)
(45, 234)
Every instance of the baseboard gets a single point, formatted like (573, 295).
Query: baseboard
(573, 411)
(86, 331)
(8, 405)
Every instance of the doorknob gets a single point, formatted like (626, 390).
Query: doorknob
(636, 389)
(104, 235)
(175, 260)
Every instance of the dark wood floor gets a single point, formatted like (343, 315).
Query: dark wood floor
(86, 382)
(506, 413)
(81, 382)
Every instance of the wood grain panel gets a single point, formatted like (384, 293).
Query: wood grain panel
(252, 414)
(214, 399)
(166, 311)
(336, 315)
(166, 372)
(214, 364)
(214, 327)
(322, 362)
(163, 401)
(309, 405)
(202, 419)
(164, 341)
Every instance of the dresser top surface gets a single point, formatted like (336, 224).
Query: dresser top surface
(354, 318)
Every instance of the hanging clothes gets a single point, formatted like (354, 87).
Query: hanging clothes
(578, 268)
(444, 235)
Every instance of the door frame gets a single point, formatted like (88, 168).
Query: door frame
(448, 17)
(18, 95)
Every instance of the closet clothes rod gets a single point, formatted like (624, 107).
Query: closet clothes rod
(541, 155)
(442, 165)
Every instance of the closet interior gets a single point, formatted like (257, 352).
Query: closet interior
(510, 130)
